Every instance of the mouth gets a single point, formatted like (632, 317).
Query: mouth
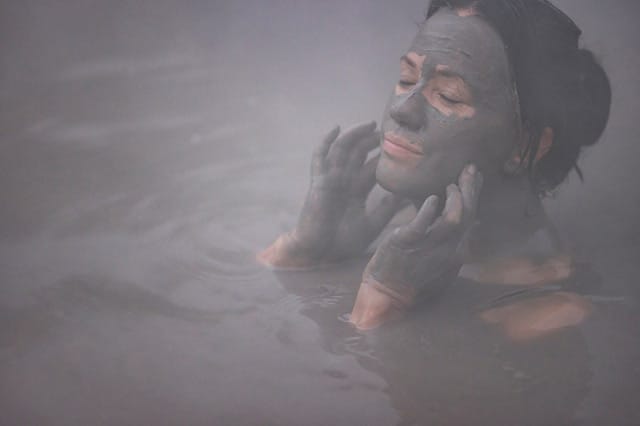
(400, 148)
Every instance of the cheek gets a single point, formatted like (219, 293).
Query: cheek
(454, 142)
(502, 133)
(450, 134)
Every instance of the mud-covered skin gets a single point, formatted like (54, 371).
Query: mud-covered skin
(482, 126)
(334, 224)
(455, 104)
(415, 258)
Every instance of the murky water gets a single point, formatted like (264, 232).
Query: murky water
(149, 150)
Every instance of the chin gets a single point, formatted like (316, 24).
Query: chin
(404, 182)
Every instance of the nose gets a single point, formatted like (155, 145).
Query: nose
(409, 110)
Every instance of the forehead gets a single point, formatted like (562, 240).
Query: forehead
(467, 45)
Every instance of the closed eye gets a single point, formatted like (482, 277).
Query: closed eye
(406, 83)
(448, 99)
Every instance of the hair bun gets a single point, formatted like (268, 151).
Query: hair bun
(588, 112)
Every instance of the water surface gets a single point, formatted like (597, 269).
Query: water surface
(149, 150)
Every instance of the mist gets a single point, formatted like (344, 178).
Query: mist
(149, 149)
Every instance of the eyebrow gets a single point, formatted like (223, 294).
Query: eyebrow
(409, 61)
(447, 72)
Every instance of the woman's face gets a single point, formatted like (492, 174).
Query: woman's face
(455, 103)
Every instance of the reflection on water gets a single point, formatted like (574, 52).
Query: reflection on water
(136, 189)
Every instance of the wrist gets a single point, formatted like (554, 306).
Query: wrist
(375, 306)
(408, 292)
(285, 253)
(402, 296)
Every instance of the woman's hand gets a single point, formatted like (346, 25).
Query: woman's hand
(334, 224)
(421, 257)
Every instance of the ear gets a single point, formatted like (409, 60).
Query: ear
(546, 142)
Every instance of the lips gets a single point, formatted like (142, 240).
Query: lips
(398, 147)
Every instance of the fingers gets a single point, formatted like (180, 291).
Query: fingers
(460, 206)
(470, 184)
(426, 215)
(340, 150)
(450, 220)
(417, 228)
(321, 151)
(453, 207)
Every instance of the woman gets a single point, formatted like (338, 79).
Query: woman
(494, 102)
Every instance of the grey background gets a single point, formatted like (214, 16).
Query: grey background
(149, 148)
(297, 67)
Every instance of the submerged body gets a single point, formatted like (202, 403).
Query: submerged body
(456, 140)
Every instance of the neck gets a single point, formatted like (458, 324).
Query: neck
(509, 213)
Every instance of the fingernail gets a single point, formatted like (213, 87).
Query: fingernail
(471, 169)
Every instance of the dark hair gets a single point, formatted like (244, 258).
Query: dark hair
(560, 85)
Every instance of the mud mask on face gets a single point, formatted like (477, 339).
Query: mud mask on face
(470, 45)
(462, 109)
